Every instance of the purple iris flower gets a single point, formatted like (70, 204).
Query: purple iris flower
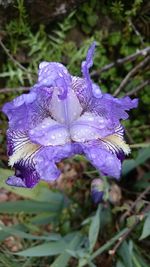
(61, 116)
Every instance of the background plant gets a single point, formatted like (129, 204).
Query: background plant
(58, 225)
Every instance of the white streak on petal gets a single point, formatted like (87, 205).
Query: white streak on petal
(23, 153)
(115, 143)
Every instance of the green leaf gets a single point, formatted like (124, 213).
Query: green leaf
(63, 259)
(7, 231)
(120, 264)
(46, 249)
(125, 254)
(38, 193)
(146, 228)
(94, 229)
(43, 218)
(130, 164)
(29, 206)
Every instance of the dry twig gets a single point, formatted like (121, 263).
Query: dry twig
(138, 88)
(11, 90)
(139, 218)
(13, 59)
(143, 52)
(131, 73)
(139, 198)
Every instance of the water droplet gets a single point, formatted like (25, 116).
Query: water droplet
(32, 131)
(65, 71)
(60, 74)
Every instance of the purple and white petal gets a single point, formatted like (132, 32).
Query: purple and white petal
(47, 158)
(67, 110)
(86, 65)
(55, 75)
(28, 110)
(112, 108)
(25, 175)
(107, 163)
(49, 133)
(90, 127)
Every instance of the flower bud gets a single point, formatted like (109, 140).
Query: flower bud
(97, 190)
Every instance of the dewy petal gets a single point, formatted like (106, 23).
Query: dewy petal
(106, 153)
(45, 164)
(90, 127)
(48, 156)
(106, 162)
(16, 110)
(28, 110)
(55, 75)
(49, 133)
(112, 108)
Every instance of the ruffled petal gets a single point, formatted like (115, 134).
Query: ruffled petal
(25, 175)
(27, 110)
(55, 75)
(84, 93)
(106, 162)
(84, 87)
(87, 64)
(47, 158)
(112, 108)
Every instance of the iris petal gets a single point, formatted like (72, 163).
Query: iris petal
(27, 111)
(89, 127)
(49, 132)
(67, 110)
(86, 66)
(55, 75)
(106, 162)
(25, 175)
(112, 107)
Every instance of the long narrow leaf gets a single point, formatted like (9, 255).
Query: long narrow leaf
(94, 229)
(46, 249)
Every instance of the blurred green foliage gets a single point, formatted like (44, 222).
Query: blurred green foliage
(58, 229)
